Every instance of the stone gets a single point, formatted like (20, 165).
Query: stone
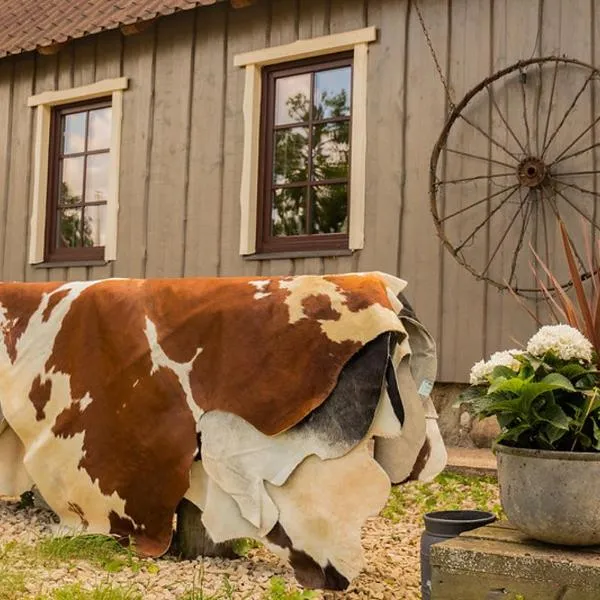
(484, 432)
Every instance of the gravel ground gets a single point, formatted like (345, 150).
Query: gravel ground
(391, 544)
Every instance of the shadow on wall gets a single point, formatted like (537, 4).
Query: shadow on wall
(457, 426)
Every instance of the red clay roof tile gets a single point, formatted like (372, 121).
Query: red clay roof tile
(27, 24)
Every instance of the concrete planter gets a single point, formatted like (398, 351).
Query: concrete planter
(551, 496)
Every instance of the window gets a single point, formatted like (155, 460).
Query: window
(76, 174)
(79, 181)
(305, 155)
(303, 173)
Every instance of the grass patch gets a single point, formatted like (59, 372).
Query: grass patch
(197, 592)
(278, 590)
(11, 583)
(100, 550)
(102, 592)
(242, 546)
(448, 491)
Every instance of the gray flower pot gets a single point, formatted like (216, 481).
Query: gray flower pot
(551, 496)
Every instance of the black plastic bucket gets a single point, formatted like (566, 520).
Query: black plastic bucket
(443, 525)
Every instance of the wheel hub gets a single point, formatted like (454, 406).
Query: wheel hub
(531, 172)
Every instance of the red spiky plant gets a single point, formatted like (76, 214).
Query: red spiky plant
(583, 312)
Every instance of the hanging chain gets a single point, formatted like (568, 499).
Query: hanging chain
(451, 104)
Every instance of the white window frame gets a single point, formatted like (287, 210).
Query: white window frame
(253, 62)
(43, 104)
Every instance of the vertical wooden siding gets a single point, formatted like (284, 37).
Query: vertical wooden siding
(182, 142)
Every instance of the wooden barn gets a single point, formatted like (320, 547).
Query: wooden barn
(270, 137)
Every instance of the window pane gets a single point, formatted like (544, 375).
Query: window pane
(69, 228)
(292, 99)
(332, 93)
(288, 211)
(71, 186)
(331, 150)
(330, 208)
(96, 179)
(290, 155)
(99, 129)
(94, 225)
(74, 133)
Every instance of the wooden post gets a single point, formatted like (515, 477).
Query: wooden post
(191, 539)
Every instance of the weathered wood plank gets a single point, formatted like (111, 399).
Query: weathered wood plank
(6, 125)
(203, 218)
(247, 30)
(344, 16)
(385, 140)
(466, 585)
(136, 140)
(283, 30)
(18, 177)
(84, 72)
(419, 249)
(169, 158)
(46, 79)
(109, 52)
(66, 80)
(463, 320)
(313, 18)
(313, 21)
(506, 323)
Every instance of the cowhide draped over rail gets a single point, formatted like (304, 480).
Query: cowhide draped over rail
(254, 398)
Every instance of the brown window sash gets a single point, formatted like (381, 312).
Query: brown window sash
(266, 241)
(54, 252)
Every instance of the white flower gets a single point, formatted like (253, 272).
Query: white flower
(564, 341)
(482, 370)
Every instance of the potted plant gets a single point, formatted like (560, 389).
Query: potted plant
(546, 398)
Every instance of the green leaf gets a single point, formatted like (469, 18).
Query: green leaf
(558, 381)
(596, 429)
(514, 433)
(552, 413)
(503, 371)
(502, 384)
(572, 370)
(553, 434)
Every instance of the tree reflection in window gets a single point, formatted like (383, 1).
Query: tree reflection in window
(310, 151)
(80, 162)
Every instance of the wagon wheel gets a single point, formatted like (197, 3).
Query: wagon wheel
(519, 153)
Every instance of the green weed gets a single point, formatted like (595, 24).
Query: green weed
(448, 491)
(197, 591)
(100, 550)
(278, 590)
(102, 592)
(11, 583)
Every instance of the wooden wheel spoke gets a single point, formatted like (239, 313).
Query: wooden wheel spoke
(538, 103)
(497, 249)
(557, 159)
(476, 178)
(567, 113)
(490, 138)
(544, 222)
(484, 158)
(523, 79)
(575, 187)
(550, 104)
(574, 173)
(503, 119)
(552, 203)
(578, 153)
(530, 138)
(489, 197)
(486, 220)
(524, 224)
